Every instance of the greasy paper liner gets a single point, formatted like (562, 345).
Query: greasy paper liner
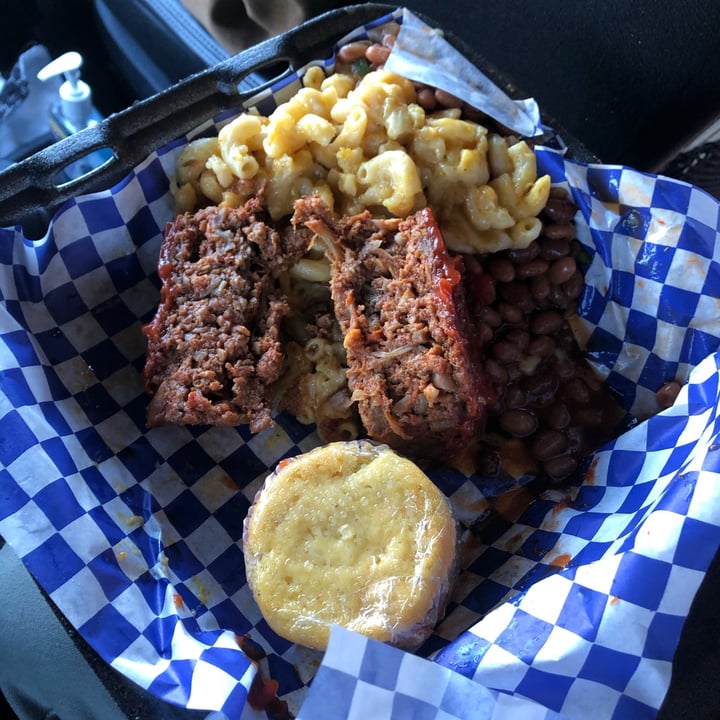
(135, 533)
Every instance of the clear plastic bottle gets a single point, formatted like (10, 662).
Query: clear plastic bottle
(74, 110)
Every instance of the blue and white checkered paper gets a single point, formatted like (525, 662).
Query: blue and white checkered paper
(135, 533)
(362, 678)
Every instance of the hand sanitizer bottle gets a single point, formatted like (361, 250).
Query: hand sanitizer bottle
(73, 110)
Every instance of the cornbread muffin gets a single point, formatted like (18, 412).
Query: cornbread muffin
(355, 535)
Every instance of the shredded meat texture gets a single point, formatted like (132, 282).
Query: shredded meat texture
(214, 347)
(399, 300)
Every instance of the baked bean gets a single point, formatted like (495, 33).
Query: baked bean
(540, 287)
(426, 98)
(527, 304)
(447, 100)
(559, 231)
(561, 467)
(521, 256)
(489, 290)
(542, 346)
(558, 416)
(566, 340)
(577, 440)
(501, 269)
(576, 390)
(490, 316)
(519, 337)
(517, 293)
(557, 296)
(506, 352)
(542, 386)
(474, 115)
(549, 444)
(352, 52)
(546, 322)
(554, 248)
(574, 286)
(518, 423)
(667, 394)
(565, 368)
(377, 54)
(485, 333)
(533, 268)
(560, 209)
(510, 313)
(562, 269)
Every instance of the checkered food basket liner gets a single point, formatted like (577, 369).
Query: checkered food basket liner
(135, 533)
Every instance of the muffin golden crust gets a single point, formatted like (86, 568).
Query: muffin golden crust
(350, 534)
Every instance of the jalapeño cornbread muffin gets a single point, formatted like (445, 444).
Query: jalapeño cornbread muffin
(352, 534)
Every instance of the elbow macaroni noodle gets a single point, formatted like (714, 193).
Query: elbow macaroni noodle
(362, 145)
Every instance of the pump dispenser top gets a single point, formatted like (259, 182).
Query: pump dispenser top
(75, 108)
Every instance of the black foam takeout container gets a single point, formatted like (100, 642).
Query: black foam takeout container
(30, 192)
